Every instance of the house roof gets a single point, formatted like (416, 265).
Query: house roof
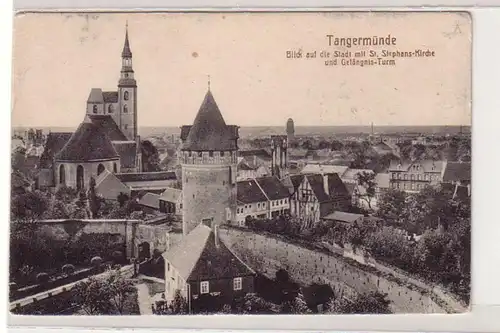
(110, 96)
(324, 168)
(54, 143)
(197, 257)
(273, 188)
(89, 142)
(297, 153)
(108, 125)
(150, 200)
(352, 173)
(343, 216)
(248, 191)
(146, 176)
(127, 151)
(171, 195)
(335, 186)
(457, 171)
(209, 131)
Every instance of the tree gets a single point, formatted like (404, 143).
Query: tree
(179, 303)
(93, 200)
(122, 198)
(391, 205)
(253, 304)
(370, 303)
(29, 206)
(120, 289)
(366, 183)
(297, 305)
(150, 157)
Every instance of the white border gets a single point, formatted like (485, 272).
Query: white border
(486, 185)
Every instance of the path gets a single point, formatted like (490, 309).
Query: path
(144, 299)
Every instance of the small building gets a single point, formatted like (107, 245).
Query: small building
(150, 202)
(206, 272)
(415, 176)
(252, 202)
(277, 195)
(344, 218)
(171, 201)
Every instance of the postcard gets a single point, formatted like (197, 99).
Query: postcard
(241, 163)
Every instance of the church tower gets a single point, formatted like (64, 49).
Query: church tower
(126, 117)
(279, 148)
(208, 159)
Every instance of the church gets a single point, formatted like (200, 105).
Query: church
(106, 140)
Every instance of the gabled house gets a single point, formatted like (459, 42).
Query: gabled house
(414, 176)
(252, 202)
(171, 201)
(205, 271)
(319, 195)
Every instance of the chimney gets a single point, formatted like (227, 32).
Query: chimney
(216, 236)
(325, 184)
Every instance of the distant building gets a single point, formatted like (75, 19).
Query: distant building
(290, 130)
(209, 160)
(415, 176)
(205, 271)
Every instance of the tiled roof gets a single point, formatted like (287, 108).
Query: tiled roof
(457, 171)
(95, 96)
(110, 96)
(335, 186)
(209, 131)
(54, 143)
(197, 258)
(171, 195)
(109, 126)
(89, 142)
(146, 176)
(343, 216)
(249, 192)
(273, 188)
(127, 152)
(150, 200)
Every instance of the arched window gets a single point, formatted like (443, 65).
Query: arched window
(115, 170)
(94, 108)
(125, 95)
(110, 108)
(79, 178)
(62, 175)
(100, 169)
(125, 108)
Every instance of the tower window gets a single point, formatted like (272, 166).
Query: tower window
(125, 95)
(115, 169)
(211, 153)
(221, 153)
(94, 108)
(110, 108)
(125, 126)
(100, 169)
(125, 108)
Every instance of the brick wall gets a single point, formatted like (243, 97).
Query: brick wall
(305, 266)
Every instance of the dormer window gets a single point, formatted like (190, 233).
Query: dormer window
(94, 108)
(125, 95)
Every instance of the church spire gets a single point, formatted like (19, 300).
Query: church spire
(126, 53)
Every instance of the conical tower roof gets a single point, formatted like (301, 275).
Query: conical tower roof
(126, 53)
(89, 142)
(209, 131)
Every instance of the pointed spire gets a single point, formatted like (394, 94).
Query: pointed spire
(208, 82)
(126, 53)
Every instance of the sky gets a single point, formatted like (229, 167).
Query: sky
(59, 57)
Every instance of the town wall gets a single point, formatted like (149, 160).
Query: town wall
(267, 255)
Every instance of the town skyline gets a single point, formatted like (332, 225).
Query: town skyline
(170, 86)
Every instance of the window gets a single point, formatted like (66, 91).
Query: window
(125, 95)
(62, 175)
(115, 170)
(168, 266)
(100, 169)
(204, 287)
(110, 108)
(125, 126)
(125, 108)
(199, 154)
(94, 108)
(211, 153)
(221, 153)
(237, 283)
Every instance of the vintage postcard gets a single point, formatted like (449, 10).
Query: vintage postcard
(241, 163)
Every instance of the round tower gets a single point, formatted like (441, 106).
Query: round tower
(208, 160)
(290, 130)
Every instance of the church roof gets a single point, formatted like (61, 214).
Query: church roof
(95, 96)
(126, 47)
(110, 96)
(209, 131)
(127, 151)
(53, 145)
(108, 125)
(89, 142)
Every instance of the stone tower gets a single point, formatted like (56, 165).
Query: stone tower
(279, 148)
(126, 115)
(208, 160)
(290, 130)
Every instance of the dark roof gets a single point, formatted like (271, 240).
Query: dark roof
(209, 131)
(110, 96)
(95, 96)
(316, 182)
(54, 143)
(249, 192)
(296, 180)
(150, 200)
(89, 142)
(335, 186)
(273, 187)
(457, 171)
(126, 47)
(127, 152)
(109, 126)
(461, 193)
(198, 258)
(255, 152)
(146, 176)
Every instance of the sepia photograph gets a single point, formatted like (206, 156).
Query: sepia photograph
(240, 163)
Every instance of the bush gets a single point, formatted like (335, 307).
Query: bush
(96, 261)
(117, 257)
(68, 269)
(42, 278)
